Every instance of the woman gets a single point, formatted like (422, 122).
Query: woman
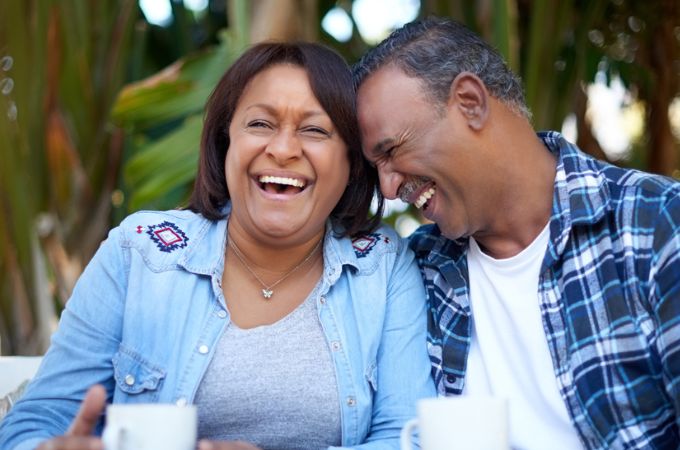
(272, 303)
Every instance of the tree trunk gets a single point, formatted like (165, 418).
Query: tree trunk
(663, 52)
(585, 140)
(284, 20)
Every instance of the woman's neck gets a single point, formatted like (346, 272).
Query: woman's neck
(272, 259)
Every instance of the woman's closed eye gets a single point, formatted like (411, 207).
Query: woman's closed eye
(315, 131)
(259, 123)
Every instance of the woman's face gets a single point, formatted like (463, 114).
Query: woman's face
(286, 166)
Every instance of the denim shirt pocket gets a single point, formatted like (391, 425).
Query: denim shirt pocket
(135, 376)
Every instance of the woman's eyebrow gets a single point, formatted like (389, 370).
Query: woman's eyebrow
(273, 110)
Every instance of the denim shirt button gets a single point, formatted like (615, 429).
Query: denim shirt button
(181, 401)
(351, 401)
(203, 349)
(222, 314)
(335, 345)
(322, 300)
(129, 380)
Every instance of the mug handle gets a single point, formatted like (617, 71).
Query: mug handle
(111, 437)
(407, 433)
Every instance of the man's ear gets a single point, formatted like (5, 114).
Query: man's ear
(469, 95)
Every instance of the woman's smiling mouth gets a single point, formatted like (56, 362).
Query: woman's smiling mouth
(281, 185)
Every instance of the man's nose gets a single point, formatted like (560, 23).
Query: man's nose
(390, 181)
(284, 146)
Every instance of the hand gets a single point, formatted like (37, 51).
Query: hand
(225, 445)
(79, 435)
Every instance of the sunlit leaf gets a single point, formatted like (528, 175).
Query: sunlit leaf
(164, 164)
(179, 90)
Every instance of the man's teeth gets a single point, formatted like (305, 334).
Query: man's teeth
(282, 180)
(424, 197)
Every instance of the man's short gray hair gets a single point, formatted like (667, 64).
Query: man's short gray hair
(436, 51)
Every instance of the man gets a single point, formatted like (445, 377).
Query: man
(553, 278)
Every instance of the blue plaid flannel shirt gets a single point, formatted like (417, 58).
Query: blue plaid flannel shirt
(609, 292)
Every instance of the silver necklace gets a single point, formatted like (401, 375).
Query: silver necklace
(268, 290)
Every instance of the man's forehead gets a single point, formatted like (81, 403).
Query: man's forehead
(380, 80)
(384, 100)
(373, 112)
(391, 87)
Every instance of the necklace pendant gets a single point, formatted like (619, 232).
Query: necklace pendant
(267, 293)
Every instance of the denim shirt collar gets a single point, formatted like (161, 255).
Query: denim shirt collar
(204, 255)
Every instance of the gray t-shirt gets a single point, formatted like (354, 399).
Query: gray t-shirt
(273, 385)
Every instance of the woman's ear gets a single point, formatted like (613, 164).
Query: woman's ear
(471, 98)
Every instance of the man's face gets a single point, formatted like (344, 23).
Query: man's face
(419, 149)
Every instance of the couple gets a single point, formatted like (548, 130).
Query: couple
(292, 320)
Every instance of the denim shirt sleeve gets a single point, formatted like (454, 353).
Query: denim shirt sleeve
(80, 353)
(403, 366)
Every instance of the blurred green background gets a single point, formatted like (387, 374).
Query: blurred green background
(101, 106)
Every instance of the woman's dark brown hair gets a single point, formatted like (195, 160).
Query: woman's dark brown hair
(331, 82)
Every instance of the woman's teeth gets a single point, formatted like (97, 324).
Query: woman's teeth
(424, 197)
(282, 180)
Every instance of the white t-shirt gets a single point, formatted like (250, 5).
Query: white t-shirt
(509, 355)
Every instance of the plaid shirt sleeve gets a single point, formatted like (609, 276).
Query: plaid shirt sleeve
(664, 296)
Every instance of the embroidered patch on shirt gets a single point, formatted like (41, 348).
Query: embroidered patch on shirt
(167, 236)
(364, 244)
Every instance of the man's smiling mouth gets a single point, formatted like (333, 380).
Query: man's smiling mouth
(281, 185)
(427, 190)
(421, 201)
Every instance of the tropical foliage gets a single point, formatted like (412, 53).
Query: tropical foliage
(63, 65)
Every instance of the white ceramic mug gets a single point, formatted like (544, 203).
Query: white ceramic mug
(459, 423)
(152, 426)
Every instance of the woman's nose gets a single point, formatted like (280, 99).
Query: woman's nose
(284, 146)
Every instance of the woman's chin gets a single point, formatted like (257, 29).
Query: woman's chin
(284, 222)
(281, 227)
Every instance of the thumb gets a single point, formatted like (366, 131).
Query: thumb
(89, 412)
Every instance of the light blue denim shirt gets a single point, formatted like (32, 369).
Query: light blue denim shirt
(148, 310)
